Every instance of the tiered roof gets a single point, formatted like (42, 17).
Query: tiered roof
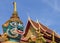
(45, 30)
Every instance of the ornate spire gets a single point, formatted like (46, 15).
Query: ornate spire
(14, 3)
(14, 16)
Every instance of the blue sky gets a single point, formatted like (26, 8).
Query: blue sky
(46, 11)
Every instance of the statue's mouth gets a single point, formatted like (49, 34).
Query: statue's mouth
(20, 32)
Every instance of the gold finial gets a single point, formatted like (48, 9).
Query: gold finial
(14, 3)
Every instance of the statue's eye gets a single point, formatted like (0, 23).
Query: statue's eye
(13, 24)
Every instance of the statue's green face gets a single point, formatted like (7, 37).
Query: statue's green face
(12, 30)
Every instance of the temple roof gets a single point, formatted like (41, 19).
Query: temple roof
(36, 26)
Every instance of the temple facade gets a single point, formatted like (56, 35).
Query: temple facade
(35, 32)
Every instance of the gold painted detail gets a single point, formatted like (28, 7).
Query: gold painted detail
(40, 38)
(39, 30)
(3, 37)
(53, 38)
(10, 42)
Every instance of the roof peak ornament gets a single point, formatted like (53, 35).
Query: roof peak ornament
(37, 21)
(28, 17)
